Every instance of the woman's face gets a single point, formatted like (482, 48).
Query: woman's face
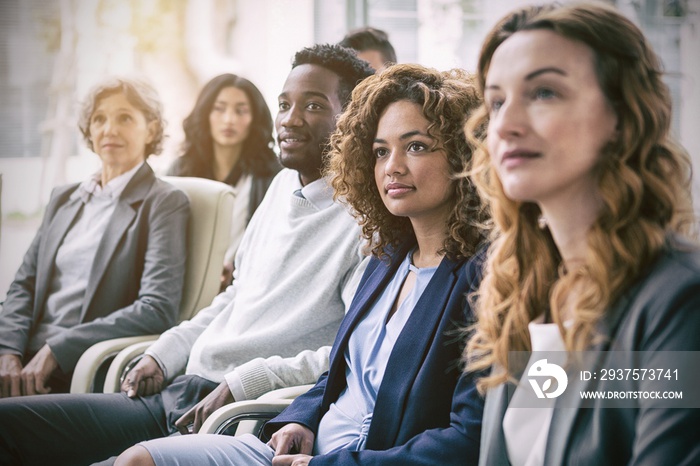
(412, 178)
(549, 119)
(230, 117)
(119, 132)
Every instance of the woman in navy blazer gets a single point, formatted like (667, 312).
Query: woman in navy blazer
(590, 200)
(108, 259)
(394, 393)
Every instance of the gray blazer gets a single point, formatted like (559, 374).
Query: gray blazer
(661, 312)
(135, 283)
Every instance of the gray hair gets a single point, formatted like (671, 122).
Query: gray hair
(139, 93)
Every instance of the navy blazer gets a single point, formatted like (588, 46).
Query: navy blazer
(661, 312)
(427, 411)
(135, 283)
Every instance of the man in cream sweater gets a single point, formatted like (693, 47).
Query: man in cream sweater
(296, 270)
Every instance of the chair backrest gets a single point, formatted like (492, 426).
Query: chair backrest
(209, 232)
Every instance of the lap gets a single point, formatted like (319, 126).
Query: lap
(73, 429)
(203, 449)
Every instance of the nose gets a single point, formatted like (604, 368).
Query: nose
(229, 116)
(109, 127)
(395, 164)
(290, 117)
(510, 120)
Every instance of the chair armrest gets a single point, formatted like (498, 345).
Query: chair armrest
(287, 393)
(98, 354)
(250, 410)
(113, 381)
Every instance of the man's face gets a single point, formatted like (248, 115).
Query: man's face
(308, 108)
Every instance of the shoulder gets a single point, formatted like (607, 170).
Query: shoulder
(663, 309)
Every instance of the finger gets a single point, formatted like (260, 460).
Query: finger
(28, 384)
(306, 446)
(283, 445)
(5, 386)
(15, 385)
(283, 460)
(40, 385)
(149, 387)
(198, 420)
(184, 421)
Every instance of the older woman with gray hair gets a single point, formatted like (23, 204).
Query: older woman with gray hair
(108, 259)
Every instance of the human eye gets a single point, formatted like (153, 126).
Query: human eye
(543, 93)
(219, 108)
(380, 152)
(494, 105)
(97, 118)
(313, 106)
(283, 106)
(242, 111)
(125, 118)
(416, 146)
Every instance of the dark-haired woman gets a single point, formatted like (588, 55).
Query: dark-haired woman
(228, 138)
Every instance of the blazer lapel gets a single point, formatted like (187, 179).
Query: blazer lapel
(563, 419)
(124, 214)
(493, 443)
(59, 226)
(362, 302)
(409, 350)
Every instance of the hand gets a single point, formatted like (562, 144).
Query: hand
(292, 440)
(219, 397)
(291, 460)
(38, 371)
(10, 369)
(146, 378)
(226, 277)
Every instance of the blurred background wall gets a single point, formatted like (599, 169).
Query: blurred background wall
(52, 51)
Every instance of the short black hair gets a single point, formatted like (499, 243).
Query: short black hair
(340, 60)
(369, 38)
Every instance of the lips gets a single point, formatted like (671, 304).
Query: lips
(291, 141)
(229, 133)
(518, 156)
(397, 189)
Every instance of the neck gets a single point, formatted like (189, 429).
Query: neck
(569, 224)
(430, 238)
(306, 178)
(109, 172)
(225, 158)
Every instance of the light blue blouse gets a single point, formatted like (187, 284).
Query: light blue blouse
(346, 424)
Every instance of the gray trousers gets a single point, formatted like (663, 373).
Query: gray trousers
(65, 429)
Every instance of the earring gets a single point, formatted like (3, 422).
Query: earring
(541, 222)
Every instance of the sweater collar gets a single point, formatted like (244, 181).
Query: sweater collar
(319, 193)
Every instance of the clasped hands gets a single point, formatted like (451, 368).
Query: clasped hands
(31, 379)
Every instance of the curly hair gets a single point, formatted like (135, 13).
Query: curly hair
(446, 99)
(340, 60)
(197, 157)
(139, 93)
(643, 180)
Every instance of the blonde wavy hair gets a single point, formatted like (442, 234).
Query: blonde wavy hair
(446, 98)
(644, 182)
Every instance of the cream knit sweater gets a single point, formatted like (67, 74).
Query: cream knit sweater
(296, 270)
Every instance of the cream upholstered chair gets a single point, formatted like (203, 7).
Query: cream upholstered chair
(248, 417)
(209, 226)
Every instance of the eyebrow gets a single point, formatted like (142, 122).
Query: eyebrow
(404, 136)
(532, 75)
(307, 94)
